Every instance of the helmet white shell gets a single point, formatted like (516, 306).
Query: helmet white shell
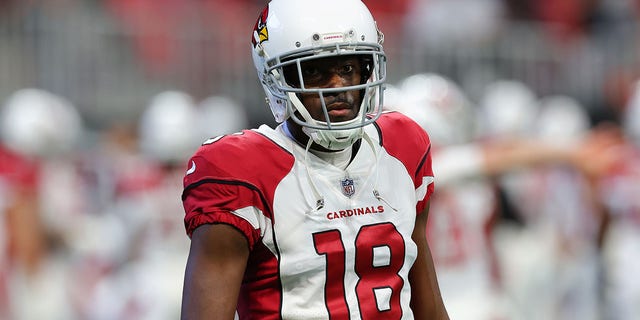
(218, 115)
(509, 108)
(38, 123)
(440, 106)
(167, 128)
(562, 119)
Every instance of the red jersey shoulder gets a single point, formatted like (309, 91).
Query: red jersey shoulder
(402, 137)
(17, 170)
(246, 156)
(406, 141)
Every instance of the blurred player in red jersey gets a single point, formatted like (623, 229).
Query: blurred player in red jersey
(39, 130)
(325, 215)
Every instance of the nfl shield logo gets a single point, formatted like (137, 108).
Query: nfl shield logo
(348, 188)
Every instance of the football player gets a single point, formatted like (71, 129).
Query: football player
(323, 217)
(39, 201)
(460, 232)
(477, 256)
(218, 115)
(619, 193)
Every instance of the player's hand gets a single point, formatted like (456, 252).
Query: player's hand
(600, 151)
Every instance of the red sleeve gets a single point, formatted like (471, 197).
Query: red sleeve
(20, 173)
(405, 140)
(236, 173)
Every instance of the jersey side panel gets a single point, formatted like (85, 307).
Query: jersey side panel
(408, 142)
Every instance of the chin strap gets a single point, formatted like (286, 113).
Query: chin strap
(319, 198)
(376, 193)
(334, 139)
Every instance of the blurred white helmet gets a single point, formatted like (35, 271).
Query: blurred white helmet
(218, 115)
(289, 33)
(38, 123)
(392, 98)
(508, 108)
(631, 116)
(440, 107)
(168, 131)
(562, 119)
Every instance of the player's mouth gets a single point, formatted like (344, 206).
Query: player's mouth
(340, 111)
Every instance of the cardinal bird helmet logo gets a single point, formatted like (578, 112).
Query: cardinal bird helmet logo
(261, 28)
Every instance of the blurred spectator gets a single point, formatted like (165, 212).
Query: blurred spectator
(187, 40)
(429, 23)
(390, 16)
(157, 25)
(565, 19)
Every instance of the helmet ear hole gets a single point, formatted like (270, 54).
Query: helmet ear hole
(290, 73)
(366, 64)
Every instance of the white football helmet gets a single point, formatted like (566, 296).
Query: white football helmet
(291, 32)
(218, 115)
(562, 120)
(35, 122)
(393, 98)
(167, 128)
(509, 108)
(440, 106)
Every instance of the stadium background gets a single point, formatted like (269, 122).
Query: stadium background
(108, 57)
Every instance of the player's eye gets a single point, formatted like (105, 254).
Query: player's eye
(347, 69)
(310, 72)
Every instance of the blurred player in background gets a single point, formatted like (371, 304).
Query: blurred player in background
(619, 192)
(475, 275)
(41, 200)
(325, 215)
(146, 257)
(465, 202)
(219, 115)
(565, 201)
(18, 187)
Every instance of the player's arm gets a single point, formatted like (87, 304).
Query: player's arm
(426, 301)
(592, 155)
(214, 272)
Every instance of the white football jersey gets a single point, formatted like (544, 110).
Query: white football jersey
(619, 193)
(459, 232)
(325, 242)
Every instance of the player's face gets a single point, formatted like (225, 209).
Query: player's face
(332, 72)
